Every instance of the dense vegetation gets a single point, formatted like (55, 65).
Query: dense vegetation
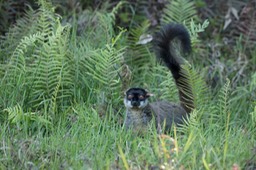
(64, 70)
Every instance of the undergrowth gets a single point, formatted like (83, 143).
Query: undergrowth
(61, 98)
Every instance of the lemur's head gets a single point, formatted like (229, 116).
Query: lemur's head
(136, 98)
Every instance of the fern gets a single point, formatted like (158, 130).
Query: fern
(139, 56)
(47, 20)
(224, 102)
(17, 63)
(180, 11)
(17, 116)
(115, 11)
(195, 29)
(45, 69)
(192, 124)
(97, 64)
(99, 26)
(103, 67)
(50, 66)
(184, 12)
(41, 20)
(223, 98)
(39, 64)
(53, 105)
(164, 86)
(17, 32)
(15, 70)
(198, 87)
(225, 115)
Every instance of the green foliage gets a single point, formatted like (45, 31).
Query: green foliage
(253, 116)
(183, 11)
(18, 117)
(50, 71)
(97, 61)
(39, 66)
(224, 99)
(139, 56)
(180, 11)
(17, 62)
(252, 89)
(164, 86)
(225, 114)
(43, 70)
(242, 99)
(199, 91)
(195, 29)
(103, 66)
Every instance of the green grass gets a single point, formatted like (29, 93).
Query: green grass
(88, 141)
(61, 102)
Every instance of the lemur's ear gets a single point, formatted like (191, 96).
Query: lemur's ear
(126, 91)
(149, 94)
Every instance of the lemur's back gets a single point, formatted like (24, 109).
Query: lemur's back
(166, 113)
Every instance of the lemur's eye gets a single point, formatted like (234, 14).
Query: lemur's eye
(130, 96)
(141, 97)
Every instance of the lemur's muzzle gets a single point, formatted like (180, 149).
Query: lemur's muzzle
(135, 103)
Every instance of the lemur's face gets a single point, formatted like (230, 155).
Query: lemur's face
(136, 98)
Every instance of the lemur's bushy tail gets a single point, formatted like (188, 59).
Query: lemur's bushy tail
(165, 50)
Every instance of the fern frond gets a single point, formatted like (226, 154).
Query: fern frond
(199, 91)
(15, 70)
(16, 33)
(194, 29)
(224, 99)
(17, 62)
(50, 66)
(99, 26)
(163, 84)
(98, 58)
(17, 116)
(139, 56)
(103, 66)
(191, 124)
(41, 20)
(180, 11)
(115, 10)
(184, 12)
(38, 72)
(53, 104)
(97, 70)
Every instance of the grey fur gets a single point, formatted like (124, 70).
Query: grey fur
(164, 114)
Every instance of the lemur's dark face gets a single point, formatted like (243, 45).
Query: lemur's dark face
(136, 98)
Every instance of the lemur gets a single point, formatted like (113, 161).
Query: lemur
(139, 112)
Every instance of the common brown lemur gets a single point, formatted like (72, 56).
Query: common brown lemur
(139, 112)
